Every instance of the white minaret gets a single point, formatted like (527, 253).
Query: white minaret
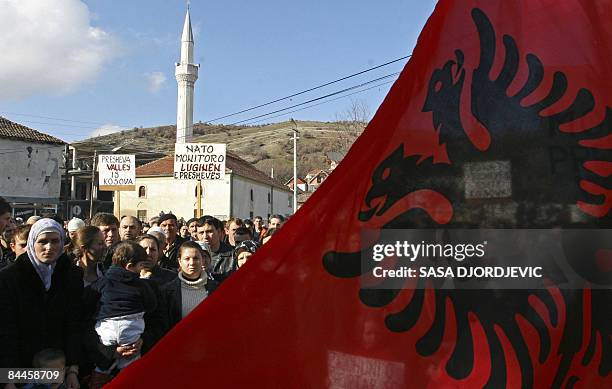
(186, 75)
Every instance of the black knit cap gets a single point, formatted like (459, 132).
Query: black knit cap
(166, 216)
(246, 245)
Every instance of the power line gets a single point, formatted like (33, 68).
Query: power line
(323, 102)
(265, 133)
(270, 113)
(318, 98)
(52, 118)
(127, 128)
(68, 125)
(309, 89)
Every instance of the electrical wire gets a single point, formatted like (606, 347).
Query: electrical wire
(126, 128)
(52, 118)
(324, 102)
(309, 89)
(97, 124)
(318, 98)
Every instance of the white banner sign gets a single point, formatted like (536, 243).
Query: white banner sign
(117, 172)
(199, 161)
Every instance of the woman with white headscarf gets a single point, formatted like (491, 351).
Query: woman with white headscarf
(40, 297)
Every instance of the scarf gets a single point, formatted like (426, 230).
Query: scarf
(195, 284)
(44, 271)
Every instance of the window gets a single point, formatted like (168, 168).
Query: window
(268, 198)
(318, 179)
(141, 214)
(251, 215)
(251, 194)
(142, 192)
(195, 193)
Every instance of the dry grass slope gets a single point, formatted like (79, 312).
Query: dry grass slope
(266, 146)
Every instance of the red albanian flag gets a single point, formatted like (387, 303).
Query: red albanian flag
(523, 82)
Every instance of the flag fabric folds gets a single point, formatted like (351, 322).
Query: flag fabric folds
(500, 119)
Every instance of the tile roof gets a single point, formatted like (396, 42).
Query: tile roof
(12, 130)
(315, 174)
(165, 167)
(299, 181)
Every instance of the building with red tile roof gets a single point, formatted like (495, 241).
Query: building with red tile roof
(244, 191)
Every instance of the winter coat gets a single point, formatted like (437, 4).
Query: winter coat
(174, 302)
(122, 292)
(33, 318)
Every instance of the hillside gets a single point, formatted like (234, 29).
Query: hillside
(266, 146)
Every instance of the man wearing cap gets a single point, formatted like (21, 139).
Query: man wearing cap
(243, 251)
(74, 225)
(169, 225)
(192, 227)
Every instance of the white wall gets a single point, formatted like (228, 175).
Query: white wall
(167, 194)
(216, 201)
(30, 176)
(283, 202)
(179, 196)
(242, 204)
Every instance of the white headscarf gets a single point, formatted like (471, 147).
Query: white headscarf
(40, 227)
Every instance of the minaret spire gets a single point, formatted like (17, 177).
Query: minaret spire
(186, 75)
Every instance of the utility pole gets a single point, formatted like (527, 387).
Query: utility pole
(93, 183)
(295, 138)
(199, 198)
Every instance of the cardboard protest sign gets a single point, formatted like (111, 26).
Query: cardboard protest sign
(117, 172)
(199, 161)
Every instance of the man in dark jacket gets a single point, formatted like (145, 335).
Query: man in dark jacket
(169, 225)
(222, 258)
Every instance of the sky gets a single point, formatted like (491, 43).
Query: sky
(80, 68)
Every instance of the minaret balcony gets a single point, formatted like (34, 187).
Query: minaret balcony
(186, 72)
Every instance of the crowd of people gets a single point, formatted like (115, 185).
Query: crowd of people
(92, 297)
